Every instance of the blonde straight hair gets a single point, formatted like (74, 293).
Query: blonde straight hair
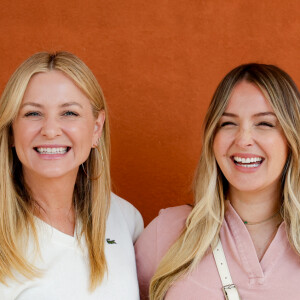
(210, 188)
(91, 197)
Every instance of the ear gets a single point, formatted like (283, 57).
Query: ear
(98, 128)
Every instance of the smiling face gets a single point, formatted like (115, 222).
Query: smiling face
(55, 128)
(249, 146)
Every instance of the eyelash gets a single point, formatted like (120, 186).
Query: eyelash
(32, 114)
(266, 124)
(226, 123)
(37, 114)
(70, 113)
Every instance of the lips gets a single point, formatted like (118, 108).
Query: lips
(247, 161)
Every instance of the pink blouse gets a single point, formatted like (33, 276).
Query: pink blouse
(276, 276)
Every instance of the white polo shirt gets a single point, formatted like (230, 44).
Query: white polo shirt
(66, 265)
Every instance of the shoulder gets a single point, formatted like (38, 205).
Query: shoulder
(175, 216)
(164, 229)
(168, 225)
(155, 241)
(131, 215)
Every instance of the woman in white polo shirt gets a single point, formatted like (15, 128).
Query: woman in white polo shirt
(63, 234)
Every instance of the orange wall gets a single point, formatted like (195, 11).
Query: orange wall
(158, 63)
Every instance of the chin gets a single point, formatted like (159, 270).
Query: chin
(249, 187)
(54, 173)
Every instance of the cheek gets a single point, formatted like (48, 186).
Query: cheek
(81, 136)
(80, 131)
(20, 138)
(275, 145)
(281, 154)
(220, 146)
(23, 132)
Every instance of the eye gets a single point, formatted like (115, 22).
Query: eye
(32, 114)
(267, 124)
(228, 123)
(70, 113)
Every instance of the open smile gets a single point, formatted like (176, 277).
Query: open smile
(50, 150)
(247, 162)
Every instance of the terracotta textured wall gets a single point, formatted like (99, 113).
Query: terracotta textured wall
(158, 63)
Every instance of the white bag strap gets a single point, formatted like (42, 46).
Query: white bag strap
(229, 289)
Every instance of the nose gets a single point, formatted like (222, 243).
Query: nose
(244, 138)
(51, 128)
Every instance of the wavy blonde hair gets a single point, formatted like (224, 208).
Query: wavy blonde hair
(91, 198)
(210, 188)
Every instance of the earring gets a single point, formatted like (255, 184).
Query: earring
(97, 142)
(102, 160)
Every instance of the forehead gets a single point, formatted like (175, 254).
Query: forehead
(53, 86)
(247, 98)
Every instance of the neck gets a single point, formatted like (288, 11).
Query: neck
(258, 209)
(255, 207)
(53, 197)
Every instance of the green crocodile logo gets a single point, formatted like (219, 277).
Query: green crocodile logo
(109, 241)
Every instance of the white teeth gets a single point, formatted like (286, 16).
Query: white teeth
(249, 166)
(59, 150)
(247, 160)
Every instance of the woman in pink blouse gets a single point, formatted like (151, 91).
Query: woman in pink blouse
(247, 195)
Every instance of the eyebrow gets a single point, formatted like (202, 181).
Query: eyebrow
(261, 114)
(67, 104)
(31, 104)
(71, 104)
